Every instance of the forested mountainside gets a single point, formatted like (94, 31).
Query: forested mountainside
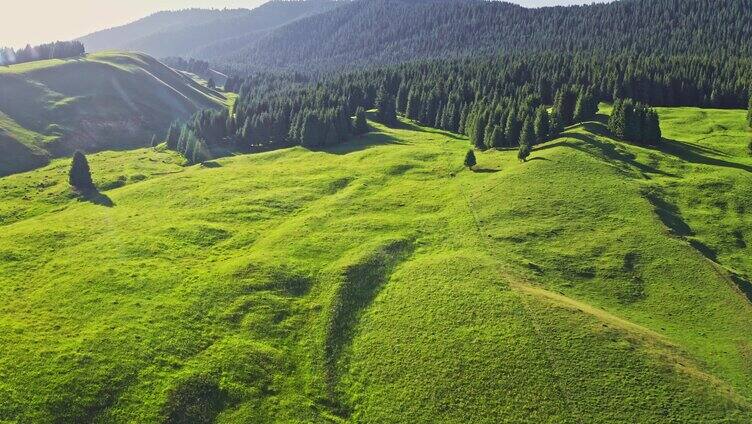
(490, 100)
(369, 32)
(101, 101)
(201, 33)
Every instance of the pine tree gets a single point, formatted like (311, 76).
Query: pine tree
(498, 137)
(749, 110)
(512, 130)
(586, 107)
(386, 107)
(564, 105)
(527, 140)
(477, 130)
(542, 124)
(80, 174)
(361, 125)
(524, 152)
(173, 136)
(470, 161)
(488, 135)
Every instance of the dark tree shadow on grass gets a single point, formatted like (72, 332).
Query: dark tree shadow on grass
(610, 152)
(696, 154)
(97, 197)
(358, 143)
(485, 170)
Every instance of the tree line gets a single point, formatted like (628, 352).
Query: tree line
(495, 101)
(195, 66)
(56, 50)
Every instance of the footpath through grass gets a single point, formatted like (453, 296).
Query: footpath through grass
(381, 282)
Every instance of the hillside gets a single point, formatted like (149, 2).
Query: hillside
(380, 281)
(102, 101)
(369, 32)
(202, 33)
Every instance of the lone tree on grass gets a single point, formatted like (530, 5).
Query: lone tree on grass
(749, 110)
(80, 174)
(527, 140)
(361, 125)
(470, 161)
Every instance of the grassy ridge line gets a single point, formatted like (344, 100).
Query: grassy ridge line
(102, 101)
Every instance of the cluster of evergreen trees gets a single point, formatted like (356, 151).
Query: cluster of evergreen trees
(270, 113)
(56, 50)
(635, 122)
(501, 102)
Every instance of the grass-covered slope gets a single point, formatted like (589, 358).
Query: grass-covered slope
(382, 282)
(102, 101)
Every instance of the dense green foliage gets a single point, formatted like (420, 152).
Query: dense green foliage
(470, 160)
(361, 124)
(374, 281)
(56, 50)
(393, 31)
(80, 174)
(634, 122)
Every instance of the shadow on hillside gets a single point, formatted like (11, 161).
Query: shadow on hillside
(363, 142)
(695, 154)
(486, 170)
(744, 285)
(537, 158)
(98, 198)
(610, 152)
(668, 213)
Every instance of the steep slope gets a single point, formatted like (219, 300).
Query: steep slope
(202, 33)
(368, 32)
(102, 101)
(379, 281)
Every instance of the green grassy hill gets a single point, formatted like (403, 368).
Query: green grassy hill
(379, 281)
(103, 101)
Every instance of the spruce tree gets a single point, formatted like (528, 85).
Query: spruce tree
(361, 125)
(498, 137)
(527, 140)
(80, 174)
(512, 130)
(564, 105)
(749, 110)
(488, 135)
(542, 124)
(470, 161)
(586, 107)
(477, 130)
(386, 107)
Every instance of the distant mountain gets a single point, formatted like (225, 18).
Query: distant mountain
(102, 101)
(202, 33)
(367, 32)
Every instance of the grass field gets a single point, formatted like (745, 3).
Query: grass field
(102, 101)
(380, 281)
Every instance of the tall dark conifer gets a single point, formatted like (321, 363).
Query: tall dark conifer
(80, 174)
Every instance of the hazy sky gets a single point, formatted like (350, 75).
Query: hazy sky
(28, 21)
